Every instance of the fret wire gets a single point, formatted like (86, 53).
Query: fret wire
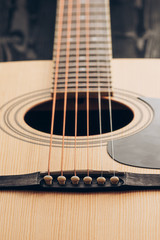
(82, 50)
(104, 57)
(82, 83)
(99, 31)
(81, 64)
(83, 42)
(94, 75)
(99, 19)
(72, 78)
(107, 88)
(92, 19)
(91, 55)
(91, 70)
(102, 23)
(83, 90)
(72, 60)
(82, 54)
(83, 76)
(91, 50)
(93, 13)
(100, 28)
(92, 5)
(83, 69)
(91, 22)
(98, 35)
(83, 73)
(103, 75)
(107, 76)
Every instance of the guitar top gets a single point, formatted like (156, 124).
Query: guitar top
(77, 135)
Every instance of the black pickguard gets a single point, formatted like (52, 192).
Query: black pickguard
(143, 148)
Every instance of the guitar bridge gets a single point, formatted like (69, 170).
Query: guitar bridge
(35, 181)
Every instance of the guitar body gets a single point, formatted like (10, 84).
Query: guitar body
(53, 215)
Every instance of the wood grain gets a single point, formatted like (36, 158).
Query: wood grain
(33, 215)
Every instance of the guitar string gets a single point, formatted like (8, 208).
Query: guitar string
(110, 107)
(69, 24)
(60, 24)
(77, 78)
(110, 93)
(87, 8)
(100, 111)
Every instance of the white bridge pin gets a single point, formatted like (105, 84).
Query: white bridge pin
(114, 180)
(101, 180)
(48, 179)
(61, 180)
(87, 180)
(75, 180)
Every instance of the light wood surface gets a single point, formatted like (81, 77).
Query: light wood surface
(32, 215)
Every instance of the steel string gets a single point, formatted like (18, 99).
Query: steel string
(87, 8)
(69, 24)
(77, 78)
(60, 24)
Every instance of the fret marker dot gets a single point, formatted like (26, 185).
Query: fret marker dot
(82, 69)
(82, 17)
(82, 58)
(94, 39)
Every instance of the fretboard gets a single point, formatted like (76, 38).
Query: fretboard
(82, 46)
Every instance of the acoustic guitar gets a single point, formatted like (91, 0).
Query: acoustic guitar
(80, 137)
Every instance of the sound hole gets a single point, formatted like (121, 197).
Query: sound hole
(39, 117)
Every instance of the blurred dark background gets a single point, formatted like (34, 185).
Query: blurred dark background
(27, 29)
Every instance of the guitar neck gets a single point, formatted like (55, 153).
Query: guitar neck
(82, 46)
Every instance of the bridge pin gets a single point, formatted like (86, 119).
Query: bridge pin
(101, 180)
(61, 180)
(87, 180)
(75, 180)
(48, 179)
(114, 180)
